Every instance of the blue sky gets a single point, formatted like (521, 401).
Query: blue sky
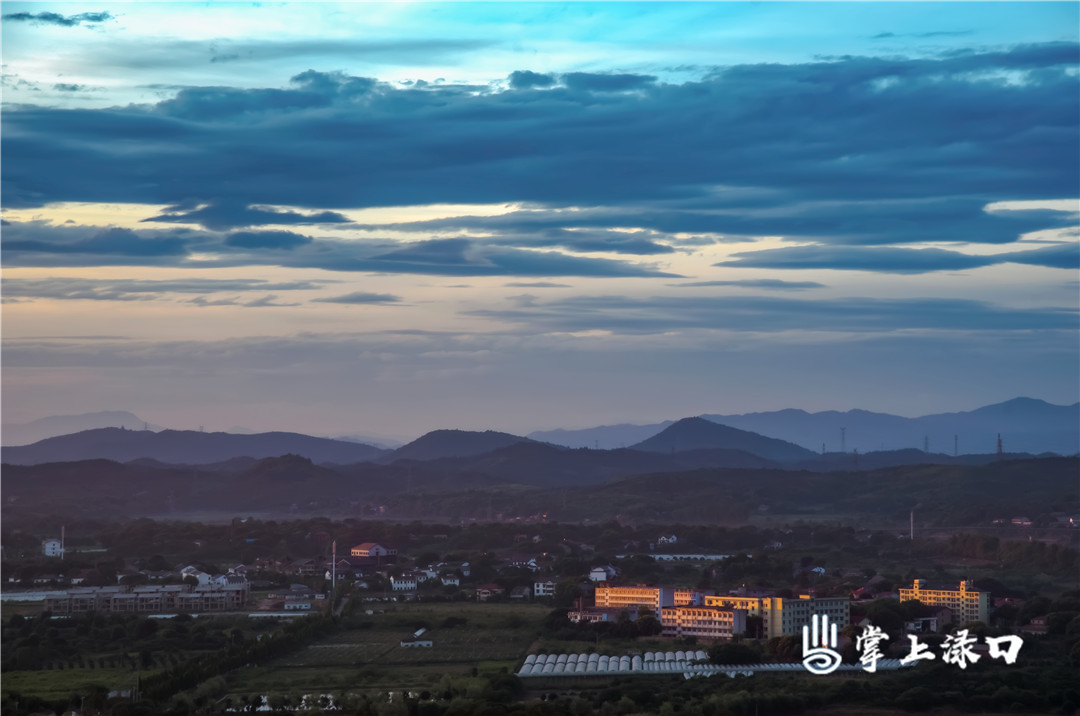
(389, 218)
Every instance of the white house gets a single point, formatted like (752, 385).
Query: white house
(192, 571)
(602, 574)
(52, 548)
(667, 539)
(404, 583)
(451, 580)
(544, 589)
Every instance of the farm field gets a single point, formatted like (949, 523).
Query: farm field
(52, 685)
(368, 656)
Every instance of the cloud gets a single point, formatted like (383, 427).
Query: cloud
(203, 301)
(220, 217)
(597, 82)
(639, 243)
(896, 259)
(1066, 256)
(38, 243)
(860, 151)
(770, 283)
(266, 240)
(115, 242)
(525, 79)
(269, 300)
(70, 288)
(52, 18)
(922, 35)
(766, 314)
(741, 218)
(536, 284)
(360, 298)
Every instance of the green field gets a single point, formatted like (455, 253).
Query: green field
(369, 657)
(53, 685)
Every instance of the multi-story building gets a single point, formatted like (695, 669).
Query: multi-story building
(633, 598)
(404, 583)
(703, 622)
(966, 603)
(544, 589)
(782, 616)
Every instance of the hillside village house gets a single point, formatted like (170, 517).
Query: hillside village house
(52, 548)
(603, 573)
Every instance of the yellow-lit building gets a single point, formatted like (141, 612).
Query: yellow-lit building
(703, 622)
(785, 616)
(633, 598)
(967, 604)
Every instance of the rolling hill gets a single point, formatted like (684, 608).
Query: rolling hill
(453, 443)
(700, 434)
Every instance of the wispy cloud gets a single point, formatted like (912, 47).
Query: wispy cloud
(361, 298)
(768, 283)
(69, 288)
(661, 314)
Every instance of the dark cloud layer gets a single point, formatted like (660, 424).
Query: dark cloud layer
(227, 216)
(856, 157)
(38, 243)
(110, 242)
(52, 18)
(922, 144)
(525, 79)
(266, 240)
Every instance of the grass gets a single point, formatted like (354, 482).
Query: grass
(494, 637)
(52, 685)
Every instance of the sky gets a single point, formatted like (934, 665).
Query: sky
(384, 219)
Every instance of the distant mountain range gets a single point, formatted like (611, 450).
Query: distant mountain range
(26, 433)
(1025, 424)
(689, 443)
(185, 447)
